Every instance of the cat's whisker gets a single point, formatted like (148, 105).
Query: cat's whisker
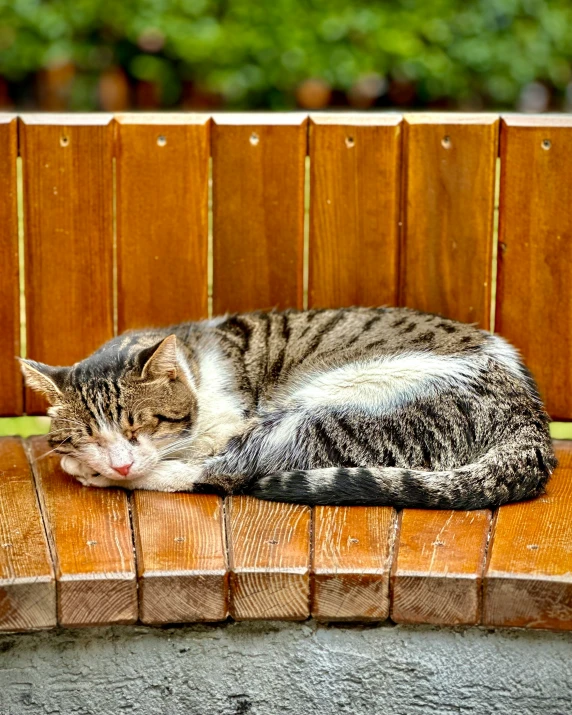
(174, 447)
(46, 454)
(72, 421)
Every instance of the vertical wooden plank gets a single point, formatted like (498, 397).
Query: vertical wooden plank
(438, 568)
(269, 559)
(448, 207)
(354, 251)
(11, 395)
(68, 184)
(27, 583)
(258, 235)
(534, 301)
(162, 218)
(355, 164)
(92, 544)
(355, 175)
(258, 211)
(181, 560)
(351, 562)
(528, 579)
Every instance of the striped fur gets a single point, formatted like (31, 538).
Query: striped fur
(348, 406)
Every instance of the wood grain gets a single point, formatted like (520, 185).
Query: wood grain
(534, 301)
(258, 211)
(68, 184)
(91, 542)
(181, 559)
(355, 176)
(448, 208)
(27, 582)
(11, 395)
(269, 559)
(438, 568)
(528, 580)
(162, 218)
(352, 548)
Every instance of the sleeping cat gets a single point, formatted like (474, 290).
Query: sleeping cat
(348, 406)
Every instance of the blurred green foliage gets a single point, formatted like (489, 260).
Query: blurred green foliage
(254, 54)
(23, 426)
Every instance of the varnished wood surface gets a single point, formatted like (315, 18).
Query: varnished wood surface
(528, 580)
(534, 300)
(355, 176)
(437, 556)
(162, 219)
(27, 583)
(68, 191)
(181, 557)
(438, 569)
(92, 545)
(352, 550)
(448, 205)
(258, 212)
(269, 559)
(11, 396)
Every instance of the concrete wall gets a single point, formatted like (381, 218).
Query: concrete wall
(277, 668)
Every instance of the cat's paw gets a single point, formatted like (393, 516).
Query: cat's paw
(97, 481)
(84, 474)
(77, 469)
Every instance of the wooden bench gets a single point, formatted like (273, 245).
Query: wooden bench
(320, 211)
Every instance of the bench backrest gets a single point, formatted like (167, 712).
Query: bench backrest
(326, 210)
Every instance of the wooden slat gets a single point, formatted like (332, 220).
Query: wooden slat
(355, 180)
(181, 561)
(68, 183)
(354, 251)
(269, 559)
(351, 562)
(27, 583)
(11, 395)
(528, 580)
(162, 218)
(258, 211)
(448, 214)
(91, 543)
(534, 301)
(438, 569)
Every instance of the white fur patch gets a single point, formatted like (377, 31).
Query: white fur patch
(220, 407)
(280, 445)
(502, 351)
(383, 384)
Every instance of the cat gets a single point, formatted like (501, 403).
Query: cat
(347, 406)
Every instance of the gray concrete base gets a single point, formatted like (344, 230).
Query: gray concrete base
(279, 668)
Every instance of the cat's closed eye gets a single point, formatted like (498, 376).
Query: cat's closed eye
(164, 418)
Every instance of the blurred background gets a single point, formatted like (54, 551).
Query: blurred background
(116, 55)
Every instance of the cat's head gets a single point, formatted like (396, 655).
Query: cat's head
(121, 410)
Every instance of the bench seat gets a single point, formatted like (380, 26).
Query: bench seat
(118, 222)
(77, 556)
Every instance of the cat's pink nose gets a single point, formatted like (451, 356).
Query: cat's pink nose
(124, 470)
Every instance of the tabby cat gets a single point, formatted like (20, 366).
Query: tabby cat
(348, 406)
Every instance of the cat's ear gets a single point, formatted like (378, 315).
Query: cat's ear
(161, 361)
(44, 378)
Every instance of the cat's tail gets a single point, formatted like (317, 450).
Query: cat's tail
(505, 473)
